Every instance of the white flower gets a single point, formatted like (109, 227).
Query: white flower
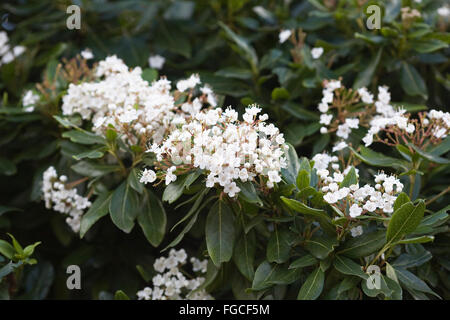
(355, 211)
(326, 119)
(316, 52)
(156, 61)
(148, 176)
(357, 231)
(274, 176)
(323, 107)
(189, 83)
(339, 146)
(87, 54)
(284, 35)
(366, 96)
(29, 100)
(443, 11)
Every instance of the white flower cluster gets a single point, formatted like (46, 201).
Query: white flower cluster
(386, 115)
(359, 199)
(226, 148)
(123, 100)
(437, 123)
(171, 284)
(344, 129)
(29, 100)
(61, 199)
(383, 116)
(7, 54)
(441, 121)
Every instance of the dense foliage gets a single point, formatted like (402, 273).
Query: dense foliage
(282, 148)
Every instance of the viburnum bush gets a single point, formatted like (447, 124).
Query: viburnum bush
(282, 151)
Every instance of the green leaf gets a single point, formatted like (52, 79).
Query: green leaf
(428, 45)
(410, 281)
(28, 251)
(280, 94)
(149, 75)
(365, 76)
(220, 232)
(248, 192)
(293, 165)
(39, 280)
(242, 45)
(170, 37)
(235, 72)
(7, 167)
(174, 190)
(98, 209)
(349, 267)
(411, 260)
(120, 295)
(303, 208)
(262, 276)
(411, 81)
(313, 286)
(65, 122)
(185, 230)
(124, 207)
(319, 215)
(4, 209)
(373, 292)
(133, 180)
(90, 154)
(320, 247)
(404, 220)
(299, 112)
(8, 268)
(6, 249)
(348, 283)
(303, 179)
(152, 218)
(244, 254)
(378, 159)
(429, 156)
(83, 137)
(364, 245)
(279, 245)
(402, 198)
(92, 169)
(305, 261)
(17, 247)
(350, 178)
(282, 275)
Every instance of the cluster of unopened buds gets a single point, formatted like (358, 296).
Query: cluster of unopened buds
(226, 149)
(171, 283)
(59, 196)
